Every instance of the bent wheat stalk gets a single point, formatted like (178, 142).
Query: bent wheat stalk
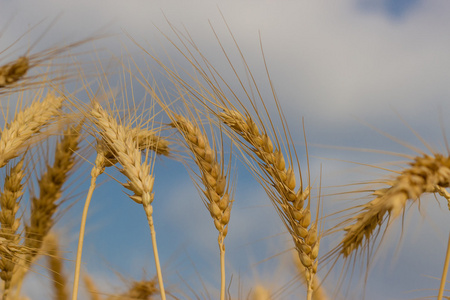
(117, 143)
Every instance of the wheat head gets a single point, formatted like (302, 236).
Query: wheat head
(14, 71)
(10, 203)
(289, 201)
(26, 123)
(212, 174)
(426, 174)
(44, 206)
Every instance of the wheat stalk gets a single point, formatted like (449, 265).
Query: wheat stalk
(107, 157)
(140, 181)
(25, 124)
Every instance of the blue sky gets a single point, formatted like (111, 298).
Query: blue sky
(338, 65)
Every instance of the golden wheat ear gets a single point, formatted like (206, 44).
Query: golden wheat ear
(10, 249)
(365, 226)
(28, 122)
(44, 206)
(212, 185)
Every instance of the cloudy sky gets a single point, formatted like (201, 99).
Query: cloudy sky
(338, 64)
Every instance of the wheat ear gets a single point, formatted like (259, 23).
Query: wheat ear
(10, 203)
(26, 123)
(43, 208)
(13, 72)
(280, 184)
(426, 174)
(217, 196)
(140, 181)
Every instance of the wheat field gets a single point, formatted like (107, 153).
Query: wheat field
(178, 170)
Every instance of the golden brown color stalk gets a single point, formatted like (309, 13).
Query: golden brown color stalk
(56, 267)
(212, 174)
(13, 72)
(26, 123)
(107, 157)
(9, 203)
(140, 181)
(426, 174)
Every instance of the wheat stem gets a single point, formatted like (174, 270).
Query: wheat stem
(96, 171)
(222, 269)
(445, 271)
(155, 253)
